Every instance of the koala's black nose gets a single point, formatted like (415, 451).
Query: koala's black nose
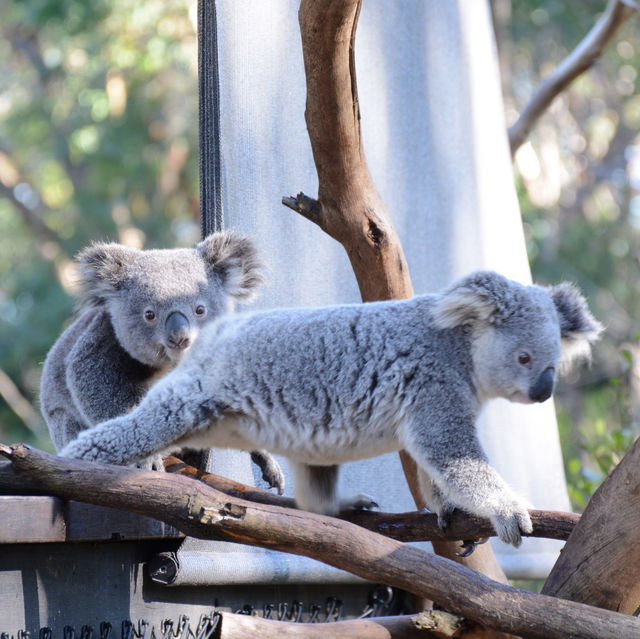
(543, 386)
(177, 330)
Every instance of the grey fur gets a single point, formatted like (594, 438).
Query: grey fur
(331, 385)
(104, 363)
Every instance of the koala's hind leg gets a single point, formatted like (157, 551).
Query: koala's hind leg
(316, 489)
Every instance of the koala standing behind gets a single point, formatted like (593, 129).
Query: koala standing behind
(331, 385)
(144, 309)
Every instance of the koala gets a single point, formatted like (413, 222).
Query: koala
(331, 385)
(144, 309)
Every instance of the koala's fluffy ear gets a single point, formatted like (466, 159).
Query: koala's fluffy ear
(235, 260)
(103, 268)
(578, 328)
(483, 296)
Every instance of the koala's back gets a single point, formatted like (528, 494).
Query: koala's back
(56, 403)
(322, 377)
(75, 368)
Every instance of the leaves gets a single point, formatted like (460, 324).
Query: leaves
(94, 98)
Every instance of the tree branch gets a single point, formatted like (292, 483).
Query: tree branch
(201, 511)
(427, 625)
(32, 217)
(411, 526)
(349, 208)
(576, 63)
(20, 405)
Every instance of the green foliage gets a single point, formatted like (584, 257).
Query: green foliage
(98, 105)
(578, 179)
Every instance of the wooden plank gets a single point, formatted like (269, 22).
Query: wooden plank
(86, 522)
(31, 520)
(41, 519)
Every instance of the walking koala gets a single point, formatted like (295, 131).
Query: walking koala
(331, 385)
(144, 309)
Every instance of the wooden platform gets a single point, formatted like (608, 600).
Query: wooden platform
(68, 564)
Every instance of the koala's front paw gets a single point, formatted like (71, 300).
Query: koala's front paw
(80, 448)
(511, 521)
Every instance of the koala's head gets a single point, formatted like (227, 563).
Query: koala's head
(159, 299)
(521, 335)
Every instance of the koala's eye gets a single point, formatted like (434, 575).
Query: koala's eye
(201, 310)
(150, 315)
(524, 359)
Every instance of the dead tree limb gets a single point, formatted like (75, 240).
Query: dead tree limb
(410, 526)
(577, 62)
(201, 511)
(600, 563)
(349, 207)
(426, 625)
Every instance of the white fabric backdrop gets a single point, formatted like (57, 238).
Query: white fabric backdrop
(435, 140)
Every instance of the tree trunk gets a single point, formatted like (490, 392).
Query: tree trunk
(600, 563)
(349, 208)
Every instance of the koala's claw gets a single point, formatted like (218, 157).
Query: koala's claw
(155, 462)
(445, 515)
(470, 545)
(271, 471)
(361, 501)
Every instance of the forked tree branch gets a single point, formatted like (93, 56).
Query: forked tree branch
(577, 62)
(201, 511)
(349, 207)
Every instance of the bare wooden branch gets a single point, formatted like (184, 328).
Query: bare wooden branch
(410, 526)
(349, 208)
(201, 511)
(600, 564)
(577, 62)
(427, 625)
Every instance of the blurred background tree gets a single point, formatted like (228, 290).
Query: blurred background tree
(578, 179)
(98, 140)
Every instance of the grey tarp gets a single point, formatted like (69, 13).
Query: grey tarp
(434, 136)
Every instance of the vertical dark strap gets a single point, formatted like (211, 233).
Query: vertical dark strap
(211, 214)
